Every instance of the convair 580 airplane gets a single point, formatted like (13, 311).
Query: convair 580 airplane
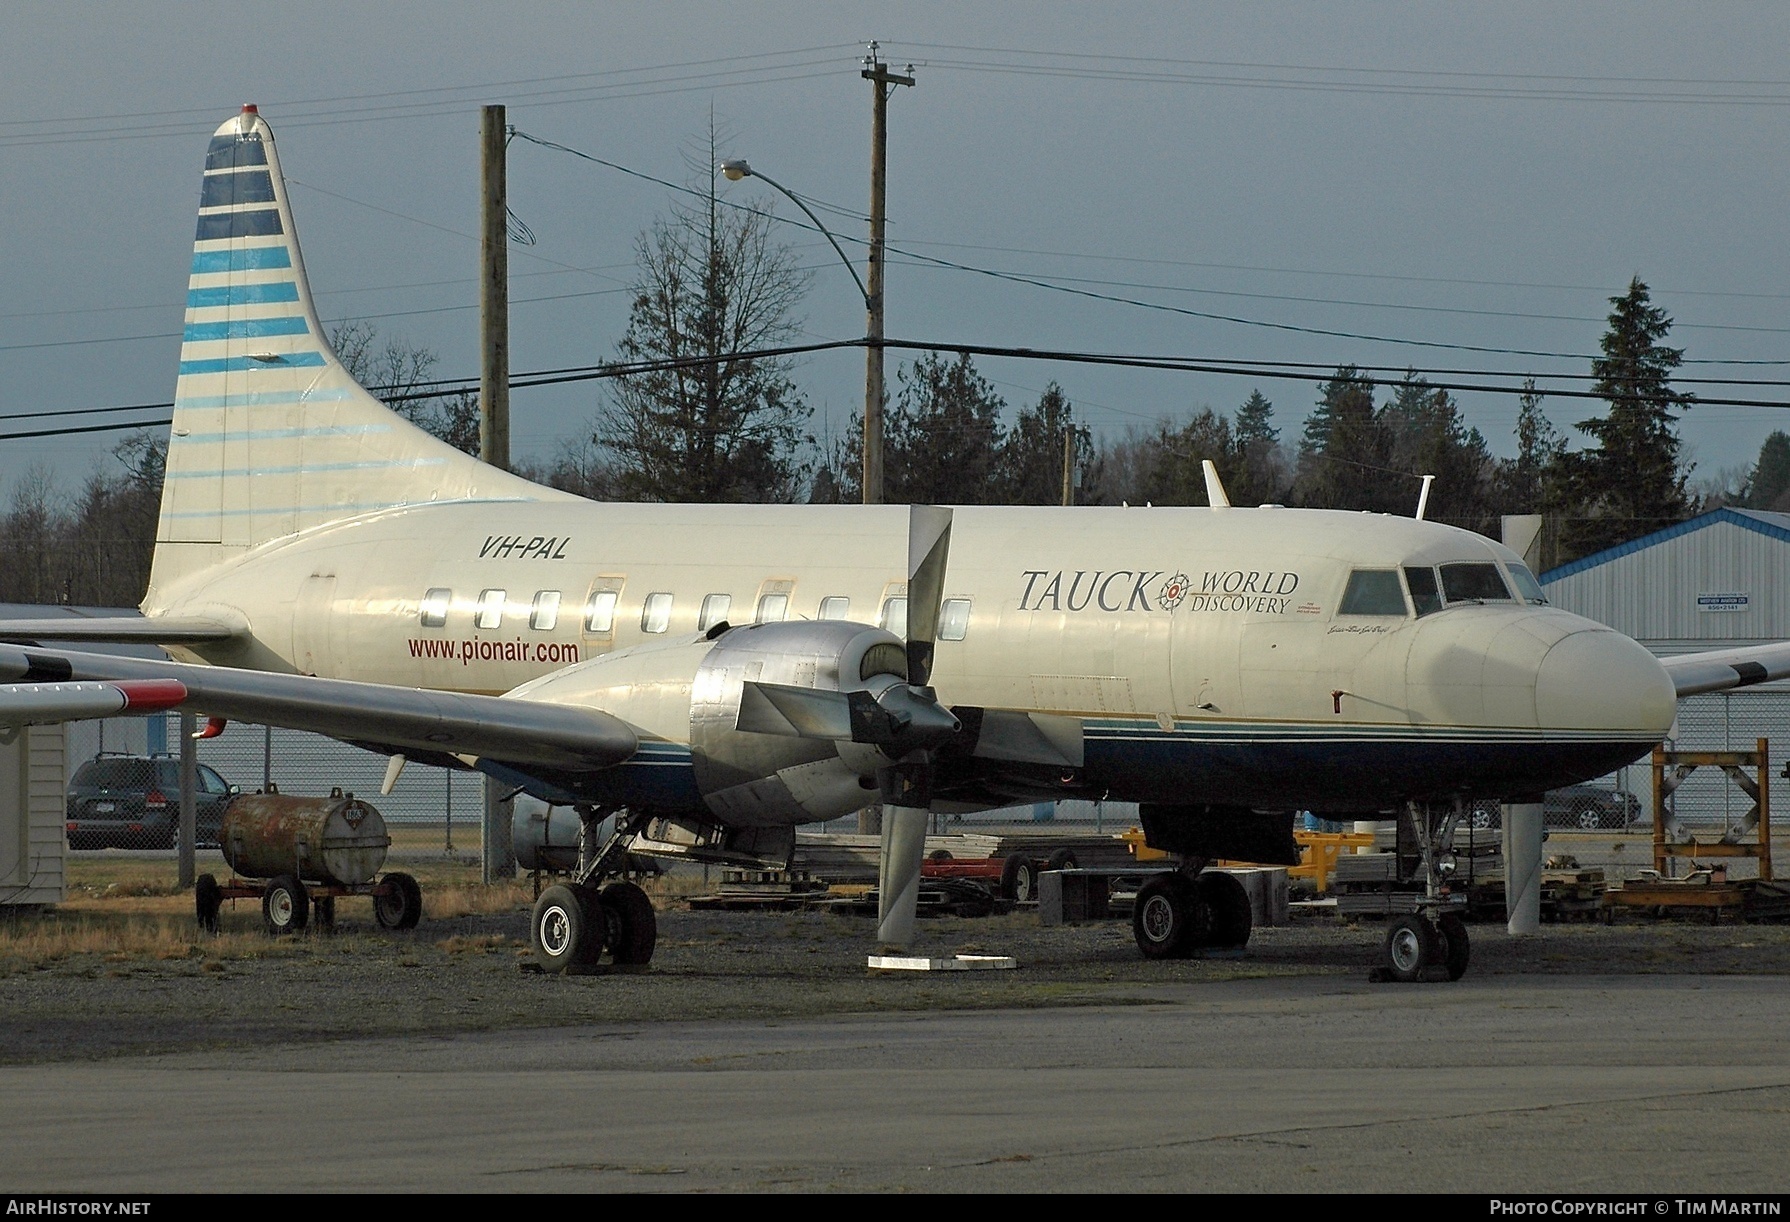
(716, 675)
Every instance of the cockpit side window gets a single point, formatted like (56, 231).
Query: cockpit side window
(1425, 595)
(1474, 583)
(1527, 586)
(1373, 592)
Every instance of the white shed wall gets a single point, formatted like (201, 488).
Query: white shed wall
(32, 811)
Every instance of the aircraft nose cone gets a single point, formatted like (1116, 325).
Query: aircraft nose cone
(1602, 681)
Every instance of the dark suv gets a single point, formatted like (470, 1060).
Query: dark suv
(133, 802)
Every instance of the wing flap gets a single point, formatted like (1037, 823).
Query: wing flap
(514, 731)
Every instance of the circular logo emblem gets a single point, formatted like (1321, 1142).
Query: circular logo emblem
(1172, 592)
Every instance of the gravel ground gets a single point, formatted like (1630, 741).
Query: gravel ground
(465, 974)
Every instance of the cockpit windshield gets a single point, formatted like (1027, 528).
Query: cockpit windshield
(1527, 586)
(1474, 583)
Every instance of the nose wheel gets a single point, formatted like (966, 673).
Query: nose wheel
(1432, 943)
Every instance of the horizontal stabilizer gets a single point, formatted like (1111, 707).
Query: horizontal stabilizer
(123, 629)
(518, 732)
(1718, 670)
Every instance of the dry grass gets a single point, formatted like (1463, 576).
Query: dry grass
(34, 941)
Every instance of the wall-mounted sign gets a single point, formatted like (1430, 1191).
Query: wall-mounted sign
(1722, 602)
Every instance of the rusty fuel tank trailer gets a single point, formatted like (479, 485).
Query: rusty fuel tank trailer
(339, 840)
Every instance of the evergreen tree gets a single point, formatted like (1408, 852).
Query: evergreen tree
(1345, 453)
(1032, 457)
(1632, 482)
(1261, 470)
(942, 437)
(1769, 487)
(1428, 437)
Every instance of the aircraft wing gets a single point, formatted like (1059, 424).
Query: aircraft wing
(35, 704)
(129, 629)
(1716, 670)
(516, 732)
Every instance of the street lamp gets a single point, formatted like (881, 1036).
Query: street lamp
(734, 169)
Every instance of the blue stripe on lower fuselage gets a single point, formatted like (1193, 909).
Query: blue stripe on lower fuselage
(1282, 768)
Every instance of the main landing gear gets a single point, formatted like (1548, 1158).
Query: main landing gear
(1431, 943)
(575, 923)
(1179, 914)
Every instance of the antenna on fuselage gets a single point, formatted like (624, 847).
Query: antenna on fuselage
(1423, 498)
(1215, 496)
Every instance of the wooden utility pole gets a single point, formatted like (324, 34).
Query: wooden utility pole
(494, 293)
(1069, 464)
(883, 83)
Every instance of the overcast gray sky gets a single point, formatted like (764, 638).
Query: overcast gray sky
(1455, 177)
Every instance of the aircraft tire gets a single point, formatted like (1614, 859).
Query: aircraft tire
(401, 907)
(633, 928)
(564, 935)
(1457, 948)
(208, 901)
(1411, 946)
(1168, 919)
(285, 906)
(1019, 878)
(1228, 904)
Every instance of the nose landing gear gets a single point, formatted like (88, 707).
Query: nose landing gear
(1432, 943)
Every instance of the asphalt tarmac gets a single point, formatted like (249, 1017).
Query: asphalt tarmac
(1636, 1083)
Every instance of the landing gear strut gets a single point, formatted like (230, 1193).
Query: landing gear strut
(1432, 943)
(574, 923)
(1179, 914)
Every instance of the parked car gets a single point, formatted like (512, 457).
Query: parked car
(133, 802)
(1586, 807)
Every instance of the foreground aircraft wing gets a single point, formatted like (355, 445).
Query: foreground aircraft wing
(33, 704)
(516, 732)
(127, 629)
(1717, 670)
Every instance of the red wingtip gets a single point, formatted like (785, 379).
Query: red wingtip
(150, 695)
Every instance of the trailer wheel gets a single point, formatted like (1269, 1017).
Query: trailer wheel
(1019, 878)
(633, 928)
(400, 906)
(208, 901)
(1062, 859)
(285, 906)
(563, 930)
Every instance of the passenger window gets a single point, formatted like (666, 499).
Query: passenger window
(714, 609)
(835, 606)
(435, 607)
(1424, 594)
(1527, 586)
(545, 613)
(954, 619)
(894, 616)
(599, 616)
(1473, 583)
(1373, 592)
(490, 613)
(655, 613)
(773, 608)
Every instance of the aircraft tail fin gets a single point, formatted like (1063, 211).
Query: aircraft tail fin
(271, 433)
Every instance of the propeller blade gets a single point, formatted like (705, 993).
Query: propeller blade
(907, 801)
(928, 548)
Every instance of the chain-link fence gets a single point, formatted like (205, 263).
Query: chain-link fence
(250, 756)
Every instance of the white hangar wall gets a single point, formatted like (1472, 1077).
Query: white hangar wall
(1720, 580)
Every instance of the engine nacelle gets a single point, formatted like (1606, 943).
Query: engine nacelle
(687, 690)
